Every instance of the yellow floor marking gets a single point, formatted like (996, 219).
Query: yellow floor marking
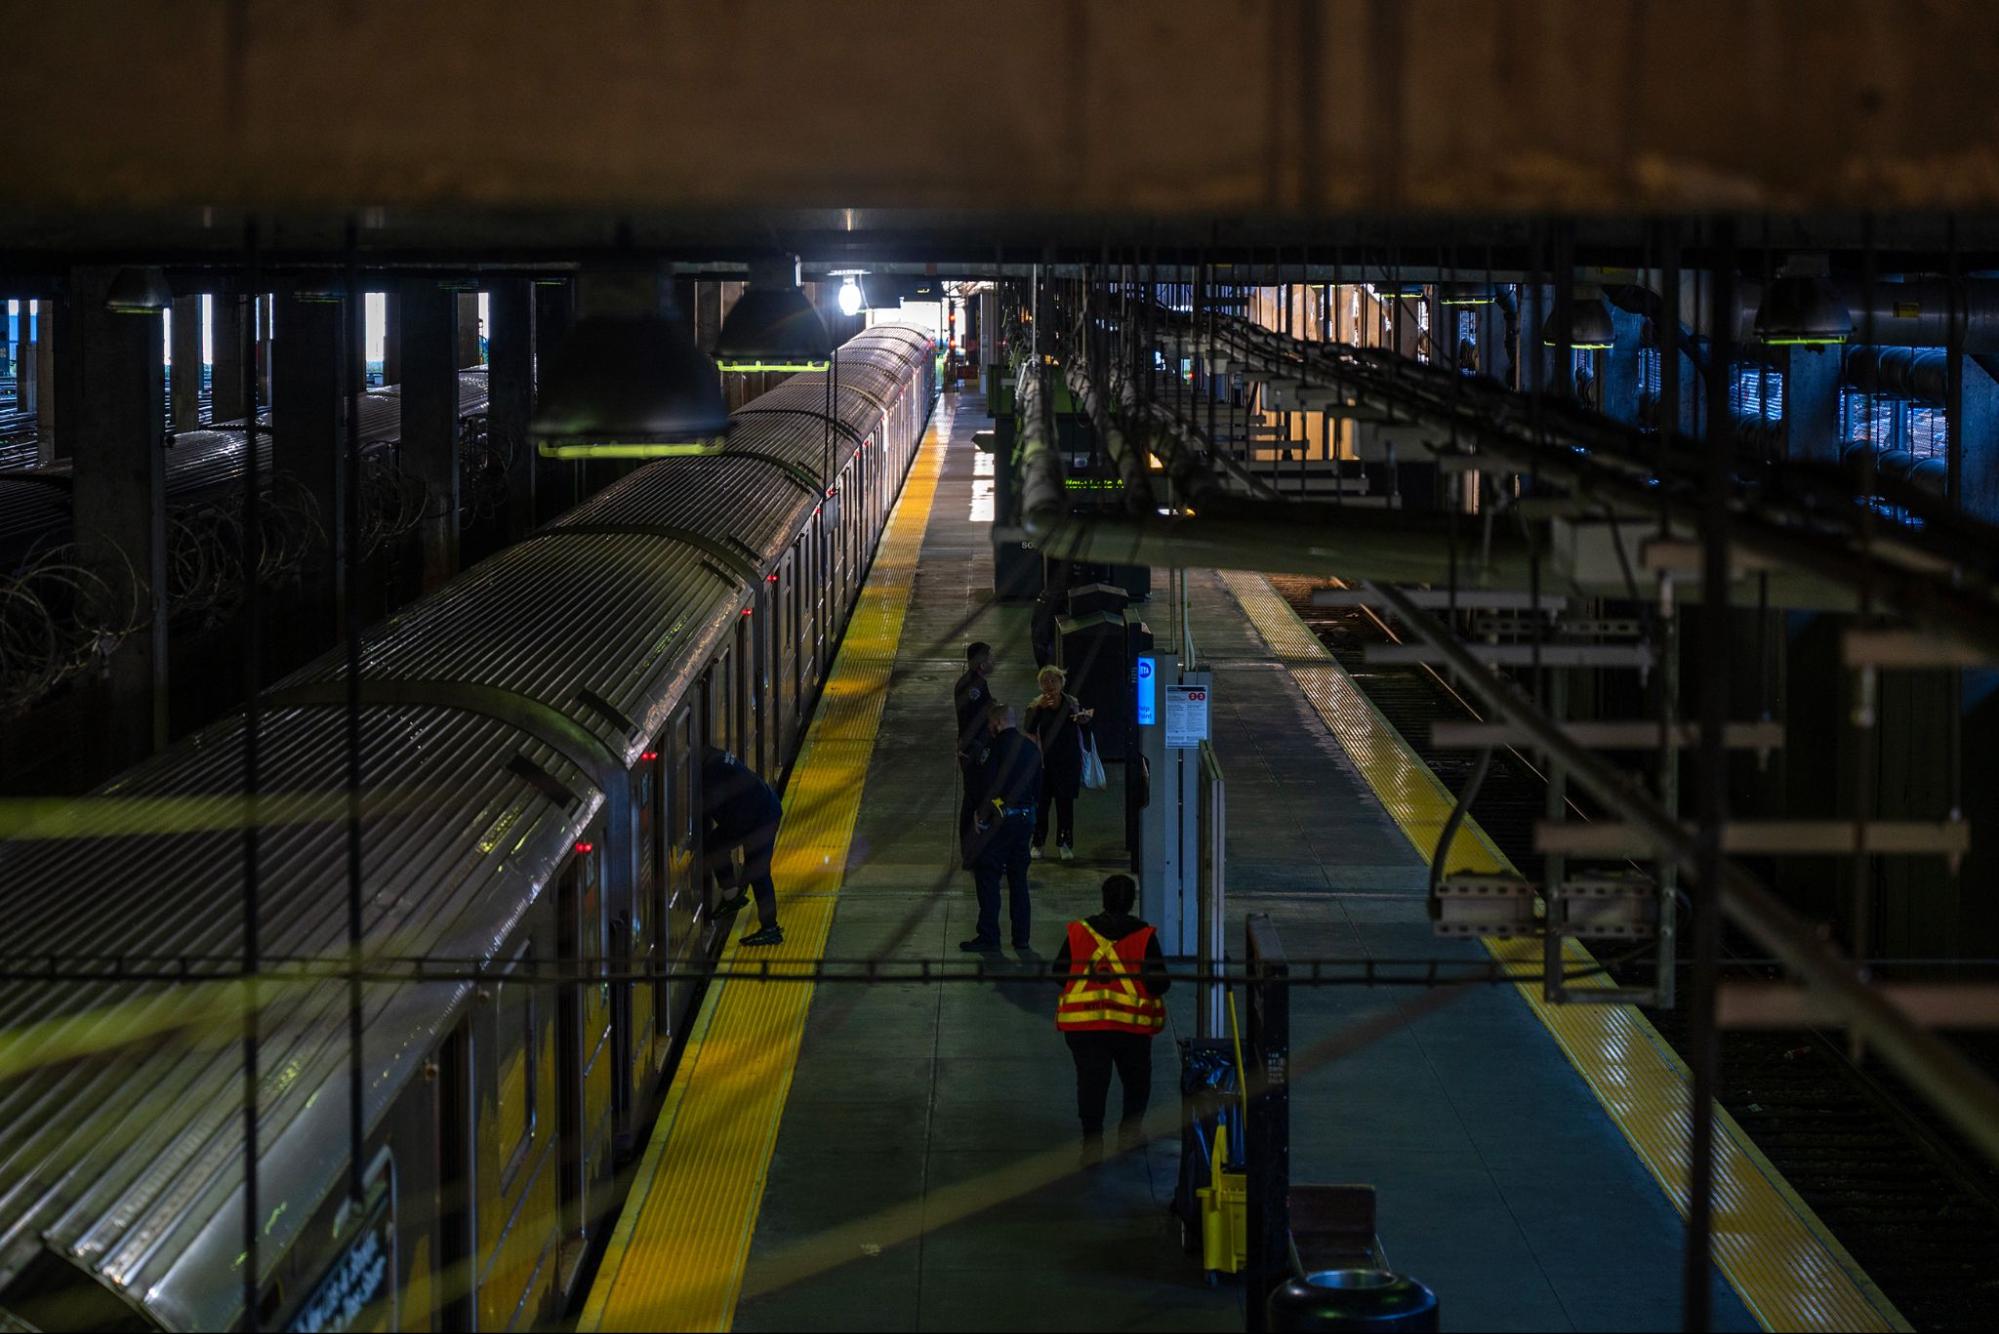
(676, 1259)
(1790, 1271)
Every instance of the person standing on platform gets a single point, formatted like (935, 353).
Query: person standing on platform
(1110, 1011)
(740, 810)
(1055, 720)
(1005, 816)
(972, 698)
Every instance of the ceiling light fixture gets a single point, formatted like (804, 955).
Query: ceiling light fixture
(629, 386)
(1589, 330)
(773, 326)
(138, 291)
(1802, 308)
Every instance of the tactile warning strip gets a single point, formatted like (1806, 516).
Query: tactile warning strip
(1790, 1271)
(677, 1256)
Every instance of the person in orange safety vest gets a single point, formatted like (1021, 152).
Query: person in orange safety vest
(1110, 1011)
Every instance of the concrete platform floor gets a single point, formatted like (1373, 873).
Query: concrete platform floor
(925, 1175)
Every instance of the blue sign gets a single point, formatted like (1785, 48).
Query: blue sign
(1146, 716)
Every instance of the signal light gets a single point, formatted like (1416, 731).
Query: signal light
(648, 755)
(586, 848)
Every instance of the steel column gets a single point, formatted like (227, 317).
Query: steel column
(308, 432)
(557, 484)
(112, 420)
(185, 385)
(510, 386)
(430, 419)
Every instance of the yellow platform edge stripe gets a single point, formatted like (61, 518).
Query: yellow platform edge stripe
(1778, 1255)
(677, 1256)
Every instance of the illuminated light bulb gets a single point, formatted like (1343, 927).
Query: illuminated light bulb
(850, 297)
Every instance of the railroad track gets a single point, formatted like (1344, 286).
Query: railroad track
(1916, 1208)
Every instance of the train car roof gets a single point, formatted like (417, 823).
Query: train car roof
(120, 1139)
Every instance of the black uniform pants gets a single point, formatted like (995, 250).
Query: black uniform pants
(971, 778)
(1096, 1054)
(757, 850)
(1005, 854)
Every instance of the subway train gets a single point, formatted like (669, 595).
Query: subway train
(529, 741)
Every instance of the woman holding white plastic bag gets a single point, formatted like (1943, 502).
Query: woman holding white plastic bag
(1056, 720)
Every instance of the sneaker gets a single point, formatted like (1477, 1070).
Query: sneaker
(730, 906)
(1034, 853)
(977, 946)
(1130, 1136)
(766, 935)
(1068, 854)
(1092, 1150)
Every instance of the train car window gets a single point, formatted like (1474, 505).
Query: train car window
(721, 701)
(645, 798)
(744, 681)
(519, 1027)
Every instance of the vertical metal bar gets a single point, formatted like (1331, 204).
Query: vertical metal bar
(251, 554)
(1703, 1050)
(1554, 866)
(354, 360)
(1667, 983)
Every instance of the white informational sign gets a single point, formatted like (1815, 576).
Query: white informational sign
(1186, 716)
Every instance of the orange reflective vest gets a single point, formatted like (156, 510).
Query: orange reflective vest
(1104, 993)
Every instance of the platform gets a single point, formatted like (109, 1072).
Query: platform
(904, 1156)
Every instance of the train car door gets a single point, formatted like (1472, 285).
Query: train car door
(787, 655)
(647, 932)
(584, 1056)
(686, 888)
(517, 1191)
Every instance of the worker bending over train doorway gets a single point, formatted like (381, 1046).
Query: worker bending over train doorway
(741, 811)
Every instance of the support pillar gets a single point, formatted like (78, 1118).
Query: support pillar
(26, 363)
(186, 382)
(49, 445)
(392, 338)
(1977, 426)
(308, 436)
(430, 419)
(557, 482)
(1617, 394)
(266, 318)
(111, 420)
(468, 330)
(1811, 404)
(226, 381)
(510, 384)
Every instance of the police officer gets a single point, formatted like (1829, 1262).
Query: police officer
(1110, 1011)
(971, 698)
(740, 810)
(1007, 790)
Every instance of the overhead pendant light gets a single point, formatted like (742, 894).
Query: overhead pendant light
(138, 290)
(773, 325)
(1802, 308)
(629, 386)
(1464, 294)
(851, 299)
(1588, 329)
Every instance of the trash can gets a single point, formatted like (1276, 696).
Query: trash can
(1351, 1299)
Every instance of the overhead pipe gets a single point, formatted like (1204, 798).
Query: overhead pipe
(1127, 457)
(1044, 501)
(1919, 571)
